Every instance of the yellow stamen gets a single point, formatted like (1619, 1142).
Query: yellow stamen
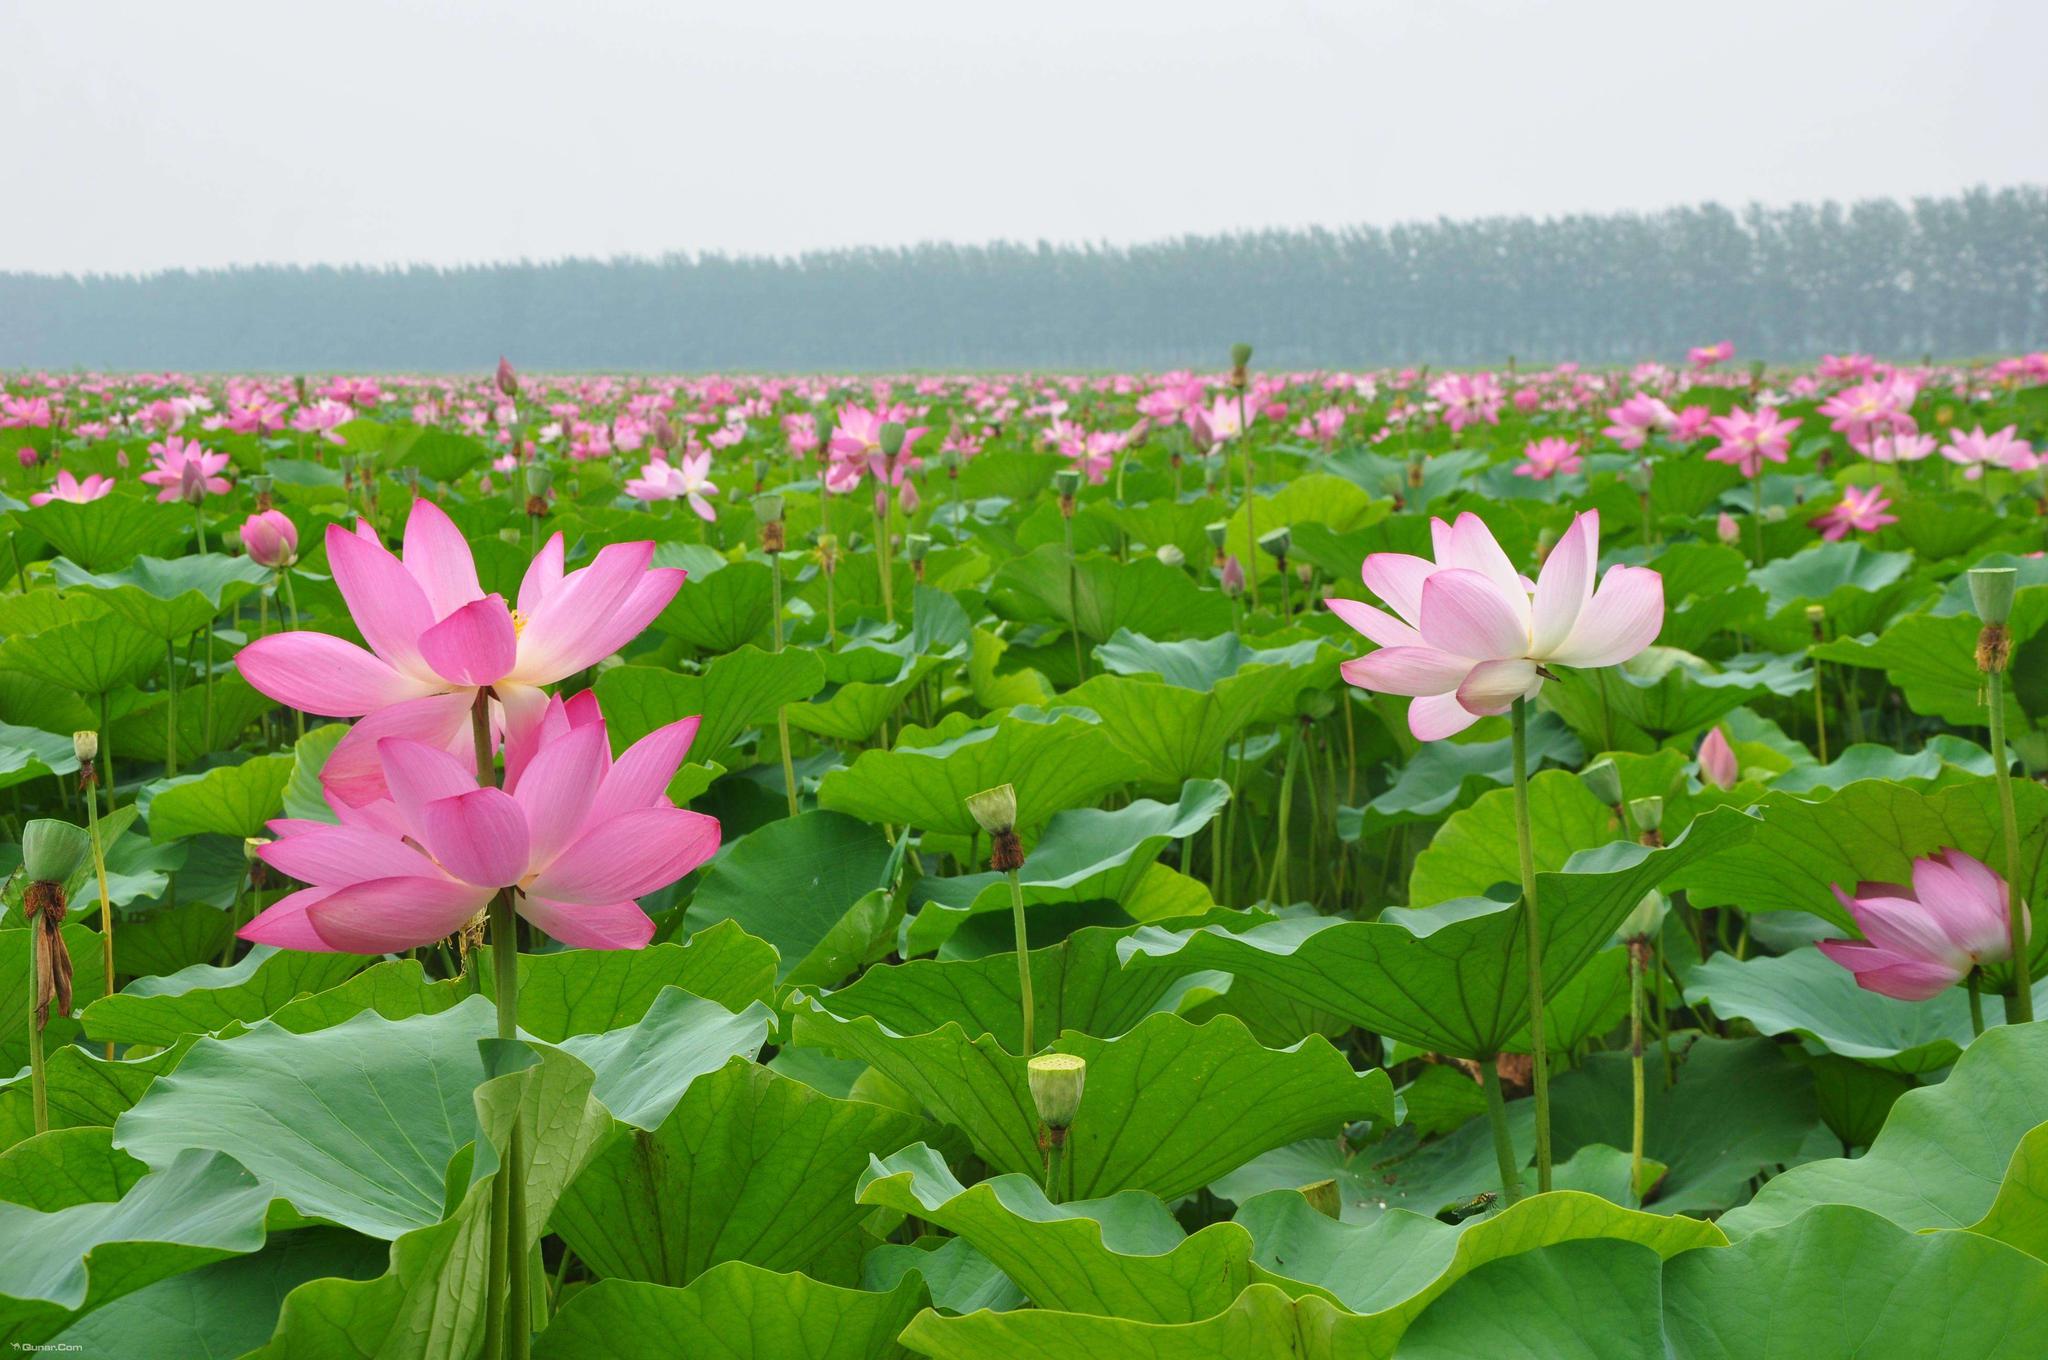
(518, 623)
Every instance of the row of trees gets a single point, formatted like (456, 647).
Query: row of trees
(1951, 276)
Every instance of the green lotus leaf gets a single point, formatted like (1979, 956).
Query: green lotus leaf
(792, 882)
(736, 691)
(732, 1312)
(110, 532)
(203, 998)
(170, 598)
(1144, 596)
(228, 800)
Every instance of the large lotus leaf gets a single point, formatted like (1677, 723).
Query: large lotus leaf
(750, 1166)
(734, 692)
(88, 980)
(1172, 734)
(1945, 760)
(109, 532)
(2018, 1215)
(723, 611)
(1221, 662)
(1446, 775)
(1943, 1151)
(1170, 1106)
(1593, 1299)
(1857, 586)
(304, 798)
(84, 1091)
(1076, 985)
(1932, 659)
(1262, 1324)
(866, 684)
(960, 1278)
(1338, 504)
(576, 991)
(356, 1123)
(1868, 831)
(1083, 855)
(174, 598)
(1393, 1268)
(995, 688)
(1475, 850)
(228, 800)
(90, 658)
(1124, 1256)
(1887, 1292)
(1452, 978)
(28, 753)
(227, 1308)
(1808, 994)
(1064, 763)
(732, 1312)
(429, 1304)
(1387, 475)
(1738, 1109)
(204, 998)
(440, 455)
(1662, 692)
(1145, 596)
(59, 1264)
(792, 881)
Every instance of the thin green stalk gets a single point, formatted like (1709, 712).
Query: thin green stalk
(291, 601)
(1074, 601)
(1503, 1141)
(1277, 879)
(170, 709)
(2019, 1007)
(1055, 1164)
(1976, 1004)
(1030, 1007)
(882, 556)
(1636, 949)
(38, 1083)
(1756, 486)
(782, 711)
(99, 865)
(505, 977)
(1538, 1041)
(199, 523)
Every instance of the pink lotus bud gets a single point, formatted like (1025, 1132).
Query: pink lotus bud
(1717, 761)
(508, 381)
(906, 497)
(270, 539)
(1233, 576)
(1726, 529)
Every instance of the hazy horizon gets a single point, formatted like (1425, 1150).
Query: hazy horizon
(232, 133)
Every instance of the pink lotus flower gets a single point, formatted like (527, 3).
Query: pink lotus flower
(1546, 458)
(436, 641)
(1872, 408)
(322, 418)
(575, 836)
(1469, 634)
(661, 481)
(183, 471)
(270, 538)
(1717, 761)
(1224, 421)
(1636, 419)
(1748, 440)
(1469, 399)
(69, 488)
(1895, 448)
(1975, 451)
(1706, 356)
(1726, 529)
(1920, 941)
(1861, 509)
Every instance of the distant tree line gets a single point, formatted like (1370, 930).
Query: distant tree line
(1953, 277)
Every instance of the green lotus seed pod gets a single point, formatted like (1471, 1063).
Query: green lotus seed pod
(1057, 1080)
(1991, 590)
(994, 810)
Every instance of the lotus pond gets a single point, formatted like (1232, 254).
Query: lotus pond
(1231, 864)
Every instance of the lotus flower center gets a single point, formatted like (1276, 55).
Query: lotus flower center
(518, 623)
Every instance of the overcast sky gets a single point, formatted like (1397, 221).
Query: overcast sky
(149, 135)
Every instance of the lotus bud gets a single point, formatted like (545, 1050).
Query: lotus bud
(1322, 1197)
(665, 436)
(1171, 555)
(1232, 576)
(1057, 1081)
(51, 851)
(508, 381)
(892, 438)
(1648, 814)
(1642, 923)
(270, 539)
(1726, 529)
(1817, 620)
(1276, 542)
(1603, 780)
(1717, 761)
(1217, 532)
(86, 746)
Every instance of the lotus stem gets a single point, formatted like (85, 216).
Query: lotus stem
(1503, 1140)
(782, 710)
(99, 866)
(2019, 1007)
(1637, 948)
(1025, 999)
(170, 709)
(291, 601)
(1756, 487)
(1277, 879)
(1976, 1005)
(39, 1091)
(1538, 1041)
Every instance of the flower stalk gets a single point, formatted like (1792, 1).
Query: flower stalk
(1525, 848)
(1992, 590)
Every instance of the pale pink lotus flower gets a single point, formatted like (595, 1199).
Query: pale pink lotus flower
(70, 488)
(1976, 450)
(270, 538)
(1862, 509)
(1726, 529)
(322, 418)
(1690, 424)
(1895, 448)
(1717, 761)
(664, 481)
(1226, 418)
(33, 413)
(1469, 399)
(800, 430)
(1633, 422)
(1706, 356)
(1749, 440)
(183, 471)
(1921, 940)
(1469, 634)
(1869, 409)
(1548, 457)
(436, 640)
(574, 835)
(1838, 367)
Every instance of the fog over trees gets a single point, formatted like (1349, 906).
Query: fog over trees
(1951, 277)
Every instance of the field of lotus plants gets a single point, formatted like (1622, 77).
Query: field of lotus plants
(1221, 866)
